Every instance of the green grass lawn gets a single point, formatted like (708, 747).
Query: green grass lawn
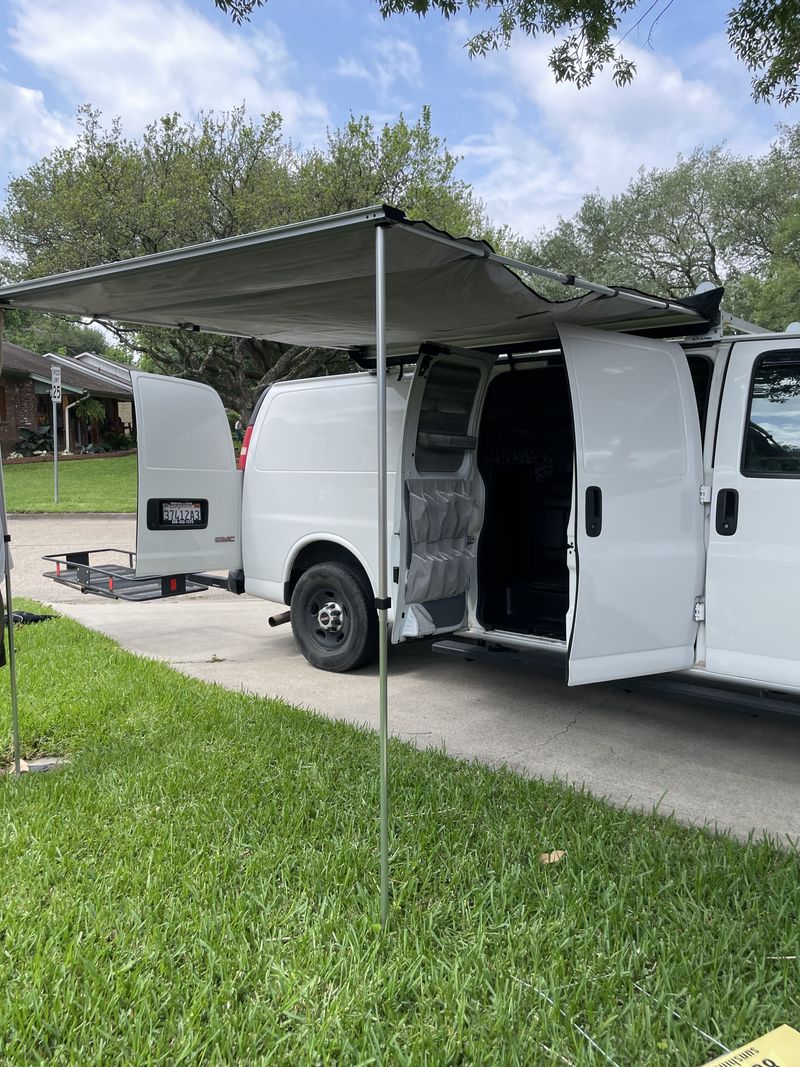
(83, 485)
(199, 886)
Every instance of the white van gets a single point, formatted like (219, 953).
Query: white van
(632, 502)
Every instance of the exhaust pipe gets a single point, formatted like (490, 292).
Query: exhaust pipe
(279, 620)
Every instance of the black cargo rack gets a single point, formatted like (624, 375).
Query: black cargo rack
(119, 581)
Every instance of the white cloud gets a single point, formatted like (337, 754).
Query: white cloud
(561, 143)
(27, 128)
(142, 59)
(351, 68)
(392, 61)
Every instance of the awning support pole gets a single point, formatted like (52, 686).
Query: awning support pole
(12, 666)
(12, 655)
(383, 564)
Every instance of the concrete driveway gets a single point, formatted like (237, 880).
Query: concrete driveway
(708, 765)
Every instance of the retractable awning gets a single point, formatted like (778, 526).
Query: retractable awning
(313, 283)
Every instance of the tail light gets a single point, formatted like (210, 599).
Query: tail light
(248, 433)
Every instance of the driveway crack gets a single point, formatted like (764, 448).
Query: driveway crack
(559, 733)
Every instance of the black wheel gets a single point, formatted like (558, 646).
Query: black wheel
(334, 621)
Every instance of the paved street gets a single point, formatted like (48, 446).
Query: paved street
(708, 765)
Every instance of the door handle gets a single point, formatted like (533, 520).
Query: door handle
(594, 510)
(727, 512)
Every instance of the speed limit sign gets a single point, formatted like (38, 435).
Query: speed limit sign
(55, 384)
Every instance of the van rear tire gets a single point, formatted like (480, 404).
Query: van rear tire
(334, 621)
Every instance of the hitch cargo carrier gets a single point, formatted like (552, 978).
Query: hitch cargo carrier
(118, 581)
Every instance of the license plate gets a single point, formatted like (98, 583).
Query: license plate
(181, 514)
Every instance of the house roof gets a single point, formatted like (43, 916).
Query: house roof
(20, 362)
(102, 378)
(109, 368)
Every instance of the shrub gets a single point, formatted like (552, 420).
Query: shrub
(118, 441)
(33, 441)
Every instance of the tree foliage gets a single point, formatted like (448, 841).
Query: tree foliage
(714, 217)
(764, 34)
(48, 333)
(108, 197)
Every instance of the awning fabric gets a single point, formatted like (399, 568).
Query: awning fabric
(314, 284)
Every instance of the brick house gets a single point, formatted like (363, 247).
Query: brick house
(25, 397)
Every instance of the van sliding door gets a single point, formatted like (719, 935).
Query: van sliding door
(188, 514)
(438, 505)
(636, 548)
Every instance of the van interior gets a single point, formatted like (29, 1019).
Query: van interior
(525, 458)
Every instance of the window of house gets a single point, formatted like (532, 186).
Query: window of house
(44, 409)
(772, 438)
(2, 403)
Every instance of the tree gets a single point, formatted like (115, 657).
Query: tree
(714, 216)
(764, 34)
(770, 293)
(108, 197)
(64, 337)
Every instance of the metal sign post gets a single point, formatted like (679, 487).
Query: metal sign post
(55, 396)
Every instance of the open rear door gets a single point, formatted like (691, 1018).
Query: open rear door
(188, 516)
(439, 504)
(636, 548)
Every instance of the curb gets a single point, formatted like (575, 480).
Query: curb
(93, 516)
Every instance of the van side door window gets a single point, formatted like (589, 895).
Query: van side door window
(772, 439)
(444, 418)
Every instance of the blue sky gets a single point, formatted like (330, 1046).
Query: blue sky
(530, 148)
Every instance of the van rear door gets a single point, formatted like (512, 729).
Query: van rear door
(188, 514)
(438, 504)
(636, 545)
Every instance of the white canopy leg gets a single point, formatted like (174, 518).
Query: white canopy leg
(383, 564)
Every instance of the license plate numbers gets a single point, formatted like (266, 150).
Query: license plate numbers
(181, 514)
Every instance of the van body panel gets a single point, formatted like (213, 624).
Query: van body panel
(272, 591)
(637, 551)
(753, 575)
(189, 502)
(311, 473)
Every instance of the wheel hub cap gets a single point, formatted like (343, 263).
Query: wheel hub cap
(329, 617)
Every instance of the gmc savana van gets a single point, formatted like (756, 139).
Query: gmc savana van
(633, 503)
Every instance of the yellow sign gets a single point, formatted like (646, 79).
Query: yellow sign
(778, 1048)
